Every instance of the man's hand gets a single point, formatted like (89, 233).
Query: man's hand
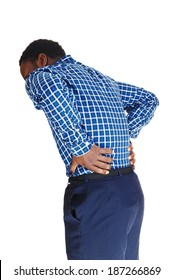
(94, 160)
(132, 156)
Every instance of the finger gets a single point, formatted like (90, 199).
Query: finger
(132, 161)
(131, 156)
(105, 151)
(105, 159)
(102, 165)
(99, 170)
(73, 167)
(133, 166)
(130, 148)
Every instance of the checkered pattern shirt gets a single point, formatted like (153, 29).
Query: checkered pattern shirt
(85, 107)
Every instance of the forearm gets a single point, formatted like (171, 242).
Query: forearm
(139, 117)
(140, 106)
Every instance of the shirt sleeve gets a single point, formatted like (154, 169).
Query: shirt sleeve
(139, 105)
(54, 96)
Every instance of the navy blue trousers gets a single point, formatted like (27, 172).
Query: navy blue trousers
(103, 218)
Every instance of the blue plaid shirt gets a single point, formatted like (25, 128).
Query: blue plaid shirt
(85, 107)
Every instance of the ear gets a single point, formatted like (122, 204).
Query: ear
(42, 60)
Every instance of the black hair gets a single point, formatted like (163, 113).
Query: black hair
(48, 47)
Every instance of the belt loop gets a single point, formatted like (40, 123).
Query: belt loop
(86, 178)
(119, 172)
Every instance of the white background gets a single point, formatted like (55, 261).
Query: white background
(131, 41)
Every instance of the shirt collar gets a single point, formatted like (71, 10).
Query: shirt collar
(66, 59)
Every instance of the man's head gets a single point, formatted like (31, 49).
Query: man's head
(38, 54)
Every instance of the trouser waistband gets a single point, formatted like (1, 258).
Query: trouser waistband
(95, 176)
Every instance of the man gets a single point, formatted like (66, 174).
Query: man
(92, 119)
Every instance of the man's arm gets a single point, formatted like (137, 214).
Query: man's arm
(52, 95)
(139, 105)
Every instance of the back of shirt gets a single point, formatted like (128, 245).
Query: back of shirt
(97, 99)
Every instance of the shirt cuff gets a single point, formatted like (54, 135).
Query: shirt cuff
(82, 148)
(134, 134)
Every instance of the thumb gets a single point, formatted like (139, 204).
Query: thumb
(73, 165)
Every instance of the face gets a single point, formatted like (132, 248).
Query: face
(27, 67)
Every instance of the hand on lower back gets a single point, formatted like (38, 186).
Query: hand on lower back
(132, 156)
(94, 160)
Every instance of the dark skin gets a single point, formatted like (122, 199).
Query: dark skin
(94, 159)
